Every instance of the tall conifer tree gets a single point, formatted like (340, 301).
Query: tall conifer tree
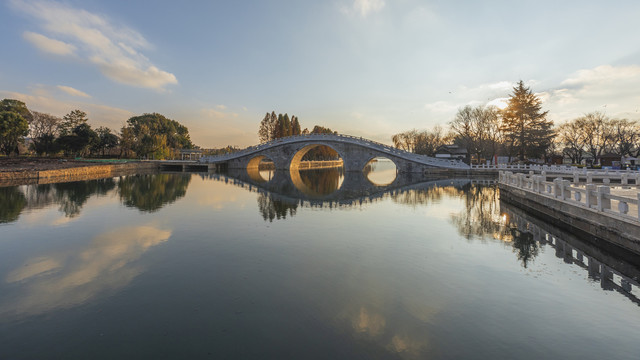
(526, 128)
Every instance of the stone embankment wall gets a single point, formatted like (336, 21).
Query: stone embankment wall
(588, 212)
(74, 173)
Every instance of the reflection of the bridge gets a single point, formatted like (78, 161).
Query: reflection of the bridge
(355, 189)
(611, 272)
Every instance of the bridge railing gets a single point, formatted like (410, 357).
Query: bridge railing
(562, 169)
(339, 137)
(591, 196)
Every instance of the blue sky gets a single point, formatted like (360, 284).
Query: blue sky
(370, 68)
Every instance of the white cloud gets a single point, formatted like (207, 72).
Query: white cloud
(73, 92)
(219, 113)
(603, 74)
(612, 89)
(64, 280)
(114, 49)
(152, 77)
(442, 107)
(365, 7)
(48, 45)
(502, 85)
(500, 103)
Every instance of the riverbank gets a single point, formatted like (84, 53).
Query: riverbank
(601, 213)
(44, 171)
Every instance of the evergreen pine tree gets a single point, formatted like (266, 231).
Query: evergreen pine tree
(286, 125)
(526, 128)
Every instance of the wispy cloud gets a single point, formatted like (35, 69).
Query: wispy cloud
(363, 7)
(218, 113)
(603, 74)
(67, 279)
(47, 45)
(612, 89)
(73, 92)
(442, 107)
(114, 49)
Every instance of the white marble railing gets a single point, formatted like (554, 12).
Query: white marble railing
(556, 169)
(427, 160)
(591, 196)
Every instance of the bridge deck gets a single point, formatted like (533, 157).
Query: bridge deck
(343, 139)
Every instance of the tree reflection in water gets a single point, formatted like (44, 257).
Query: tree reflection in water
(73, 195)
(13, 201)
(482, 219)
(145, 192)
(322, 181)
(271, 208)
(524, 245)
(151, 192)
(426, 196)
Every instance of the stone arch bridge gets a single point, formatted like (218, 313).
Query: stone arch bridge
(286, 153)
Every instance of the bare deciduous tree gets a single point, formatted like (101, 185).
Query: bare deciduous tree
(43, 130)
(598, 133)
(479, 130)
(625, 136)
(572, 139)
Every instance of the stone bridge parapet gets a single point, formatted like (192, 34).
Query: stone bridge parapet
(286, 153)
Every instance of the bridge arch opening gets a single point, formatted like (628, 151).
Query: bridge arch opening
(261, 169)
(317, 170)
(380, 171)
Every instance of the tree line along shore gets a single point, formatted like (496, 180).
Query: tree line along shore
(519, 131)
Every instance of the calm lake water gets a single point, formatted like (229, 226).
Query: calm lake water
(319, 265)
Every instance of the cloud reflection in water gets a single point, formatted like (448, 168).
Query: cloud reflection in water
(69, 279)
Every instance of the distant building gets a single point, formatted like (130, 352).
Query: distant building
(608, 159)
(190, 154)
(453, 152)
(630, 160)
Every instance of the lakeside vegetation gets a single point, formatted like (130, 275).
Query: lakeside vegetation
(145, 136)
(522, 132)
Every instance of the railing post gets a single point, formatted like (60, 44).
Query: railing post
(576, 178)
(624, 179)
(589, 178)
(603, 202)
(557, 187)
(591, 198)
(541, 181)
(566, 191)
